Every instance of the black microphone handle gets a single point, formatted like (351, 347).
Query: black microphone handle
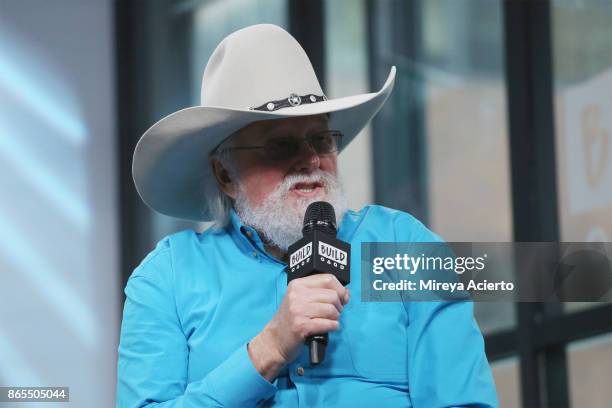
(317, 345)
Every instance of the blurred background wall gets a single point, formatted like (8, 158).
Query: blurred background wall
(498, 129)
(59, 244)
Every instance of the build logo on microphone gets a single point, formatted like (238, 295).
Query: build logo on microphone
(333, 255)
(302, 255)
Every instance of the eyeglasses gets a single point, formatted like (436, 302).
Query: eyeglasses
(288, 147)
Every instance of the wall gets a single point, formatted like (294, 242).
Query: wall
(59, 292)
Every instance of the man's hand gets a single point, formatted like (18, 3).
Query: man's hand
(312, 305)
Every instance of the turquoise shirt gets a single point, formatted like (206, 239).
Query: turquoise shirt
(195, 302)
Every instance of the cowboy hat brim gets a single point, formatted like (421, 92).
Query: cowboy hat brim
(171, 169)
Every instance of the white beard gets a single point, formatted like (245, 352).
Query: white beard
(279, 222)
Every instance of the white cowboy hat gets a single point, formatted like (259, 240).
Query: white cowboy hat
(258, 73)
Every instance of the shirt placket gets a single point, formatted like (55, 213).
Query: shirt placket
(299, 370)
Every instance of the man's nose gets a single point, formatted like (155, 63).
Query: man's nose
(308, 159)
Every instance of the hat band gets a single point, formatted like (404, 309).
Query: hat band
(291, 101)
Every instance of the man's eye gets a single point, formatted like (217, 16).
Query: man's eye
(321, 138)
(281, 144)
(324, 140)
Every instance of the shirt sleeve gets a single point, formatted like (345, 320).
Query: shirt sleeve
(447, 364)
(153, 352)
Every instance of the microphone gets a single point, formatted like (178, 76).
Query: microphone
(319, 251)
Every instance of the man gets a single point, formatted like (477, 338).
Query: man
(209, 319)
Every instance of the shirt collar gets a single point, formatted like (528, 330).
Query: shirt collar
(246, 235)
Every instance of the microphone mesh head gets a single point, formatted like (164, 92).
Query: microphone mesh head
(320, 211)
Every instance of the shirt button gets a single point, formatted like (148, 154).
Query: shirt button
(300, 371)
(255, 254)
(248, 234)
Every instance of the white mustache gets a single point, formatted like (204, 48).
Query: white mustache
(318, 176)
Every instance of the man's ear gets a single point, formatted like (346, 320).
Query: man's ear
(224, 179)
